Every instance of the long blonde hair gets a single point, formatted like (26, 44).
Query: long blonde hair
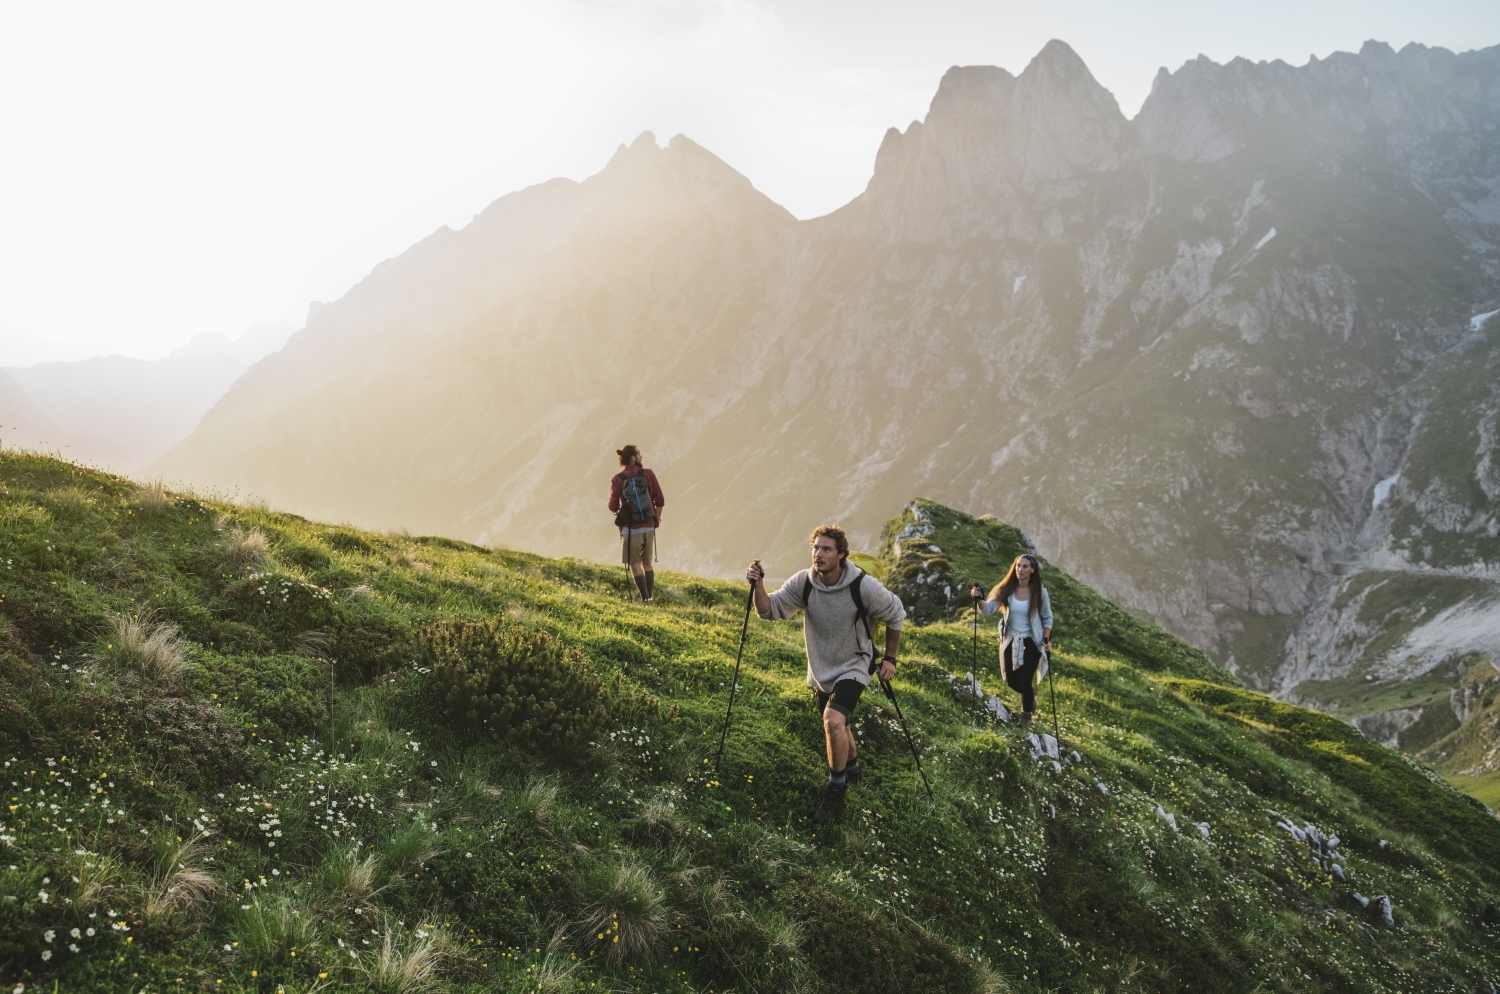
(1001, 591)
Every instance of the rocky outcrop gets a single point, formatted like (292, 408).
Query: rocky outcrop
(1206, 112)
(1386, 726)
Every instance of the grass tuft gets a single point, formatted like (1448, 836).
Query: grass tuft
(351, 876)
(154, 651)
(412, 845)
(624, 910)
(273, 930)
(247, 547)
(407, 961)
(152, 496)
(181, 883)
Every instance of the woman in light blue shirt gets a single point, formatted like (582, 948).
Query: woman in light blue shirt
(1025, 620)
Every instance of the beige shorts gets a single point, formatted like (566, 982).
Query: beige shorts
(639, 547)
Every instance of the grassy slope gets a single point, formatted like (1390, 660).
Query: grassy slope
(628, 864)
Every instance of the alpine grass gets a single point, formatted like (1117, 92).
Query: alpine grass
(310, 805)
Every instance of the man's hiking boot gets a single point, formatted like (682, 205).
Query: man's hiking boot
(832, 806)
(1026, 719)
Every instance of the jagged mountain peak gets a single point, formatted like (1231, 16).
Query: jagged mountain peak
(644, 145)
(681, 168)
(969, 92)
(1058, 66)
(1068, 120)
(989, 140)
(1206, 111)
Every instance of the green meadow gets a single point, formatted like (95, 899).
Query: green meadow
(244, 751)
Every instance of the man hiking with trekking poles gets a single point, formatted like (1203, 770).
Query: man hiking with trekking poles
(842, 605)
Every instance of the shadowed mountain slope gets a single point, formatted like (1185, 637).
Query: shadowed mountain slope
(22, 424)
(122, 413)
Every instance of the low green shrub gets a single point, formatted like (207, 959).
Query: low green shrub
(27, 703)
(281, 695)
(519, 684)
(368, 642)
(863, 951)
(282, 603)
(193, 740)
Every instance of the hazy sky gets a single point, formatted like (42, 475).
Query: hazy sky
(168, 169)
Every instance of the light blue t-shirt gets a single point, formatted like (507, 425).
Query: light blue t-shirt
(1020, 619)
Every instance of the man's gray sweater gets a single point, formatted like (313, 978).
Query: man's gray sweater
(837, 648)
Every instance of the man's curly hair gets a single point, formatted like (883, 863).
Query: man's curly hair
(840, 540)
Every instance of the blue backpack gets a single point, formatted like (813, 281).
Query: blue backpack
(635, 500)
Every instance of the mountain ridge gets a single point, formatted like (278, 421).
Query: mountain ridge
(1198, 339)
(122, 412)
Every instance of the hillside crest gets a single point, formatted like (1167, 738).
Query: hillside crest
(252, 742)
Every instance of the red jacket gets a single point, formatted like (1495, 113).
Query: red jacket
(617, 493)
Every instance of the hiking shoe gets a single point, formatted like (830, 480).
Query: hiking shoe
(832, 806)
(1026, 719)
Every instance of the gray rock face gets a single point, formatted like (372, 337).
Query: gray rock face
(991, 144)
(1206, 112)
(1386, 727)
(1043, 746)
(1324, 847)
(1181, 352)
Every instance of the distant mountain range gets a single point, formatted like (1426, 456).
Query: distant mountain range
(1231, 360)
(123, 413)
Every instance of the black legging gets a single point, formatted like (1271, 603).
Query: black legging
(1020, 678)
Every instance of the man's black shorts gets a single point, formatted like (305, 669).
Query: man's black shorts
(845, 695)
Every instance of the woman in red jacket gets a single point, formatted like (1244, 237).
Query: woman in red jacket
(635, 500)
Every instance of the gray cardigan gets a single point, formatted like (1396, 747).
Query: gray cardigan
(1044, 615)
(837, 648)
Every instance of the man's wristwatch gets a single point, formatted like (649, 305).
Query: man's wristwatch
(888, 659)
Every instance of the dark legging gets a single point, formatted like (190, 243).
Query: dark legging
(1020, 678)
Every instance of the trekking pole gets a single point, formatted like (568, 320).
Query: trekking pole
(744, 631)
(1056, 733)
(891, 693)
(974, 654)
